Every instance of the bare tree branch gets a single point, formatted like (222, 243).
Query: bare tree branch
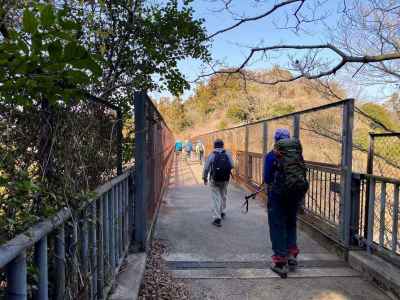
(345, 59)
(263, 15)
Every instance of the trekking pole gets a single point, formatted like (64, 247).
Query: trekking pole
(245, 205)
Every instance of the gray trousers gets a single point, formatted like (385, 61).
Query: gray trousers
(219, 191)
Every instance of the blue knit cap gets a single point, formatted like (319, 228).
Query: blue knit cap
(281, 133)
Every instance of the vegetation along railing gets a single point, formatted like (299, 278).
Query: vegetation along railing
(77, 253)
(73, 253)
(349, 207)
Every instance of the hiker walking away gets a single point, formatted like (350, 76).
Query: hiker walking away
(178, 147)
(284, 175)
(188, 149)
(200, 151)
(219, 165)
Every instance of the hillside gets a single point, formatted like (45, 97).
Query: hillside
(225, 100)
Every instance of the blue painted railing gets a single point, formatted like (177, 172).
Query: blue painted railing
(73, 255)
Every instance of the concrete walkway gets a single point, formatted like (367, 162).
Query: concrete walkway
(232, 262)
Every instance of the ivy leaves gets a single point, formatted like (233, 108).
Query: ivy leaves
(44, 59)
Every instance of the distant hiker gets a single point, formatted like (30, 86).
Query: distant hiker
(188, 148)
(219, 165)
(178, 146)
(200, 151)
(285, 177)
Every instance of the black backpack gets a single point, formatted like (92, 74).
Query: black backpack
(290, 176)
(221, 167)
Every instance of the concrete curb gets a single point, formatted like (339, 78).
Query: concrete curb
(383, 274)
(129, 279)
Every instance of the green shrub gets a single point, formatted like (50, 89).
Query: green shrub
(381, 114)
(236, 114)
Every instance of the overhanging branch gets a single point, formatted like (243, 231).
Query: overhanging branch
(263, 15)
(345, 59)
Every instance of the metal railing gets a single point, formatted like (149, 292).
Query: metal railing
(77, 253)
(379, 215)
(154, 148)
(349, 207)
(326, 136)
(74, 253)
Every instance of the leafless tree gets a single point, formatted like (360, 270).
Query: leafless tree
(366, 41)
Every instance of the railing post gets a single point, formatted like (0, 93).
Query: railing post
(119, 142)
(120, 220)
(17, 278)
(111, 226)
(106, 237)
(370, 170)
(42, 266)
(60, 264)
(395, 218)
(93, 247)
(296, 126)
(355, 208)
(131, 206)
(346, 175)
(100, 251)
(265, 137)
(140, 171)
(371, 214)
(246, 154)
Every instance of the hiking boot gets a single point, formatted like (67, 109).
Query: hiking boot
(292, 263)
(223, 216)
(217, 222)
(280, 268)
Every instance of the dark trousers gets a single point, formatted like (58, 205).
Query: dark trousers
(201, 155)
(282, 220)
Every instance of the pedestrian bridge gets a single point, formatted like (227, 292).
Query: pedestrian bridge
(232, 262)
(348, 230)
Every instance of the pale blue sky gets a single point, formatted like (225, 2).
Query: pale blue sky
(232, 47)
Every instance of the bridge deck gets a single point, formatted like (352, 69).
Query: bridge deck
(232, 262)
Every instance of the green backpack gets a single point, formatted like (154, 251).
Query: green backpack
(291, 169)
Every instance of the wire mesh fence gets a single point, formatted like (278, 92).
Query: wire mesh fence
(51, 157)
(154, 148)
(321, 132)
(384, 156)
(353, 174)
(75, 251)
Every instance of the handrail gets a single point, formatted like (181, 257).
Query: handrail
(14, 247)
(381, 178)
(27, 239)
(109, 184)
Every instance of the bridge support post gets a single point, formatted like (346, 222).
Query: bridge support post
(140, 172)
(346, 176)
(370, 170)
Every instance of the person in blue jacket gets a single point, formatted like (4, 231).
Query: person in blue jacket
(178, 146)
(282, 214)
